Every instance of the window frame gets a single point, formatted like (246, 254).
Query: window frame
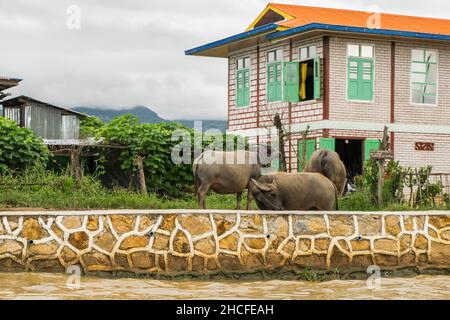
(277, 60)
(416, 104)
(309, 52)
(244, 69)
(347, 57)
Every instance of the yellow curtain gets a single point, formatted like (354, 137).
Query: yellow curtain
(304, 72)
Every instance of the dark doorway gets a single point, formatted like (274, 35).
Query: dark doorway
(350, 152)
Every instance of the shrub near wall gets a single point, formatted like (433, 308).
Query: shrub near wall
(19, 147)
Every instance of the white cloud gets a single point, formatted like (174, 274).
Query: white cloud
(132, 52)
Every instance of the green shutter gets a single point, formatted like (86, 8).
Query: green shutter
(353, 79)
(366, 82)
(360, 73)
(274, 81)
(310, 148)
(291, 81)
(327, 143)
(370, 144)
(316, 78)
(242, 88)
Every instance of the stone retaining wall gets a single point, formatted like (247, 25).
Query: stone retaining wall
(197, 242)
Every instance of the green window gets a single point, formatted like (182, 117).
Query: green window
(310, 148)
(309, 73)
(274, 81)
(327, 143)
(360, 79)
(291, 81)
(243, 88)
(243, 82)
(369, 145)
(360, 72)
(424, 71)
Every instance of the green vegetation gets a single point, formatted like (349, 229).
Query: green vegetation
(19, 147)
(44, 189)
(422, 196)
(25, 181)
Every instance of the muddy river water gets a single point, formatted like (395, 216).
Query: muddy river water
(60, 286)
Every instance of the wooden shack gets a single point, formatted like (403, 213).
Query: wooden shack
(48, 121)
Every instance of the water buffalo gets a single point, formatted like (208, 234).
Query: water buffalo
(330, 165)
(294, 191)
(231, 175)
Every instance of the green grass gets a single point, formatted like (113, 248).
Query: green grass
(62, 192)
(48, 190)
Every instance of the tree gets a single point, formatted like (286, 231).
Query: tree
(20, 147)
(149, 151)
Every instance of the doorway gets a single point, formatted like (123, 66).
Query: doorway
(351, 152)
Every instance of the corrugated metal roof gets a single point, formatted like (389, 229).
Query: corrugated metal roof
(304, 15)
(24, 99)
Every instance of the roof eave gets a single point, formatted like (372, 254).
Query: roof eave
(208, 49)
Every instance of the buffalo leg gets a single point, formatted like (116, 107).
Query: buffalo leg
(249, 196)
(238, 200)
(202, 190)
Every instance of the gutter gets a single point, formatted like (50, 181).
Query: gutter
(330, 27)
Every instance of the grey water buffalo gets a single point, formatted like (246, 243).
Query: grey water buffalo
(225, 172)
(329, 164)
(294, 191)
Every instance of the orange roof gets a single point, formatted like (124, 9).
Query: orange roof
(303, 15)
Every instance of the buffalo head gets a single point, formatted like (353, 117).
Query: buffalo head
(266, 195)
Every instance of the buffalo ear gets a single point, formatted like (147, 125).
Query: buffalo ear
(262, 186)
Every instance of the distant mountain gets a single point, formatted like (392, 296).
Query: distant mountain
(147, 115)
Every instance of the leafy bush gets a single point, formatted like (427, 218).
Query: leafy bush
(20, 147)
(154, 143)
(90, 126)
(358, 201)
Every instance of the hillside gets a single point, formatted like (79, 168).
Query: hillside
(146, 115)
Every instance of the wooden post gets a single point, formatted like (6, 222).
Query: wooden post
(76, 170)
(381, 161)
(140, 165)
(380, 183)
(281, 134)
(304, 137)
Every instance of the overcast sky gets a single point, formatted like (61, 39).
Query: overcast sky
(131, 52)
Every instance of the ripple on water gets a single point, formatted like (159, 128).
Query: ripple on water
(53, 286)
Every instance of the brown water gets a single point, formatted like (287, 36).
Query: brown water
(54, 286)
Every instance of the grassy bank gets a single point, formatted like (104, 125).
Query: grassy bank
(47, 190)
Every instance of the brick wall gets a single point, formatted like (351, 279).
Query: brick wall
(378, 111)
(340, 107)
(407, 155)
(246, 118)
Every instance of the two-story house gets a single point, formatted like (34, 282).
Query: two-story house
(347, 74)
